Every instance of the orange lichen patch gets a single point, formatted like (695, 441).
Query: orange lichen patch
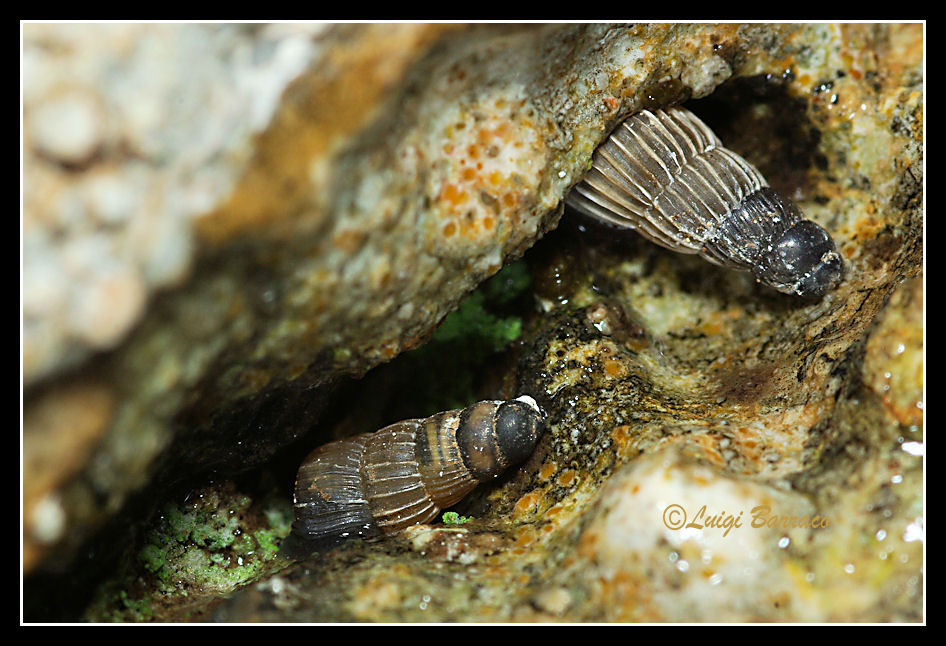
(780, 434)
(555, 510)
(614, 368)
(567, 478)
(911, 415)
(621, 438)
(526, 504)
(525, 536)
(625, 597)
(319, 111)
(611, 103)
(716, 322)
(449, 229)
(453, 195)
(869, 227)
(547, 470)
(490, 161)
(906, 48)
(348, 240)
(709, 448)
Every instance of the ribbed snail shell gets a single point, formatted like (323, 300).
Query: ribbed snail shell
(379, 483)
(666, 175)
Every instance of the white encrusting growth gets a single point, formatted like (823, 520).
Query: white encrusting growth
(528, 400)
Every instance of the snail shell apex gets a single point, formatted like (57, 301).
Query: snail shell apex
(379, 483)
(666, 174)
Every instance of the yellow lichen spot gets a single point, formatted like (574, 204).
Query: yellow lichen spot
(450, 229)
(547, 470)
(488, 223)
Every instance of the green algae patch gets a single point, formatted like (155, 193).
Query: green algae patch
(208, 545)
(453, 518)
(476, 321)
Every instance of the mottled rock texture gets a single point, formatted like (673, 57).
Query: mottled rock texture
(401, 166)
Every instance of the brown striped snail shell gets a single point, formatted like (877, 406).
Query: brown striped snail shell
(666, 174)
(379, 483)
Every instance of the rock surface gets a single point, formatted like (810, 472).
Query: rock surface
(399, 167)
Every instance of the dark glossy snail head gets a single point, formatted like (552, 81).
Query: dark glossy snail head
(493, 438)
(803, 260)
(808, 252)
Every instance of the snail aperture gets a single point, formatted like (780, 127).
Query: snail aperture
(379, 483)
(666, 175)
